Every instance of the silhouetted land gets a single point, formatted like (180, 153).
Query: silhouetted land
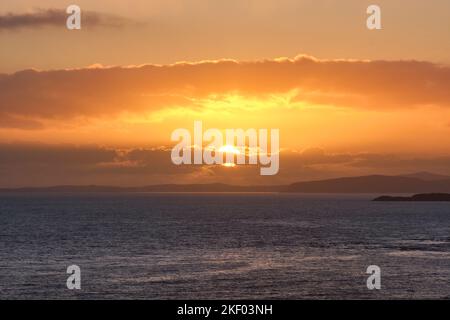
(373, 184)
(379, 184)
(213, 187)
(417, 197)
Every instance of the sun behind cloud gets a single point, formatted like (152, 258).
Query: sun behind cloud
(229, 149)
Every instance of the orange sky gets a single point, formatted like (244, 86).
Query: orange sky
(167, 31)
(360, 102)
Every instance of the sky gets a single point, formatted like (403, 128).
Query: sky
(98, 105)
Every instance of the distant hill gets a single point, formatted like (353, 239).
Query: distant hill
(417, 197)
(365, 184)
(213, 187)
(427, 176)
(371, 184)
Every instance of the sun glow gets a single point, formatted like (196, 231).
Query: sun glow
(229, 149)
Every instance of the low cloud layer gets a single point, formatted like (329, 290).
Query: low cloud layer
(92, 92)
(56, 18)
(44, 165)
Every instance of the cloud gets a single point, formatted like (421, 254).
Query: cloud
(57, 18)
(7, 121)
(53, 155)
(23, 164)
(42, 165)
(93, 92)
(380, 161)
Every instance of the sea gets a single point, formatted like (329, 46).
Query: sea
(222, 246)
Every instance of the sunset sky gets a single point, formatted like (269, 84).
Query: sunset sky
(98, 105)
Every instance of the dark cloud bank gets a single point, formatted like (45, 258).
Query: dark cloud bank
(56, 18)
(45, 165)
(64, 94)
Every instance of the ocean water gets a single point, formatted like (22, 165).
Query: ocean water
(225, 246)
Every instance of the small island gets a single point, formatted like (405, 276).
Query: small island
(417, 197)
